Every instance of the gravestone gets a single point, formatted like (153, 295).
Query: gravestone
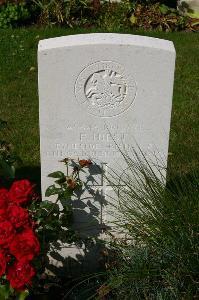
(100, 91)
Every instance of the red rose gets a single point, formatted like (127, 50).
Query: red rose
(7, 233)
(3, 198)
(20, 274)
(2, 263)
(18, 216)
(25, 245)
(21, 191)
(3, 215)
(85, 163)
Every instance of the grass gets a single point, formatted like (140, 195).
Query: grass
(158, 257)
(19, 95)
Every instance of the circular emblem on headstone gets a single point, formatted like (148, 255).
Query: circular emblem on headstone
(104, 89)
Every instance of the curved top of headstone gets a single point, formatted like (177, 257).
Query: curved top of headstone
(105, 38)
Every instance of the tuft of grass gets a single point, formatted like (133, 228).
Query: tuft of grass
(158, 257)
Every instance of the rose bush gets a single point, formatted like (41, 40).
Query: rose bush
(19, 244)
(25, 221)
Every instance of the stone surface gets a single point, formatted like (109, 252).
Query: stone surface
(100, 91)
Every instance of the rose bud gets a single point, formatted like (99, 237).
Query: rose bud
(85, 163)
(71, 183)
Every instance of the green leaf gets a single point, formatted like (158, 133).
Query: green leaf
(195, 23)
(54, 207)
(65, 197)
(63, 202)
(52, 190)
(46, 204)
(5, 291)
(57, 174)
(133, 20)
(23, 295)
(164, 9)
(61, 181)
(67, 216)
(66, 194)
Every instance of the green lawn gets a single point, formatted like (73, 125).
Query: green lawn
(19, 96)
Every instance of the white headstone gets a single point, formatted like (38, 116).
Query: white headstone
(96, 90)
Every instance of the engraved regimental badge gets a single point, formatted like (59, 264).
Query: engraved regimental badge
(104, 89)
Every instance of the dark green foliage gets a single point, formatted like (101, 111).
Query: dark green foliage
(112, 15)
(109, 15)
(170, 3)
(69, 13)
(12, 14)
(8, 158)
(162, 18)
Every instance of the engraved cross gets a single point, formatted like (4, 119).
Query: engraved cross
(106, 188)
